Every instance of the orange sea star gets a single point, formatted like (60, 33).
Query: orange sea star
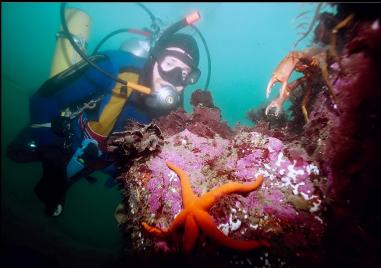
(194, 216)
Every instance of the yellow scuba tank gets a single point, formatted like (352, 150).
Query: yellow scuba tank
(78, 23)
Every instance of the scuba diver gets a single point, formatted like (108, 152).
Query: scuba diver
(73, 113)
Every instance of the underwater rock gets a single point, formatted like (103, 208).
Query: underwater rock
(204, 121)
(202, 98)
(137, 141)
(352, 153)
(258, 116)
(342, 136)
(318, 203)
(289, 201)
(173, 123)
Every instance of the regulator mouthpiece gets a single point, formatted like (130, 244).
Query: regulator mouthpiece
(166, 98)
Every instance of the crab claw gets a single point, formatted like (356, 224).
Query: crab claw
(276, 105)
(271, 83)
(278, 102)
(283, 72)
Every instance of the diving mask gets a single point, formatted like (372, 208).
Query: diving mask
(176, 75)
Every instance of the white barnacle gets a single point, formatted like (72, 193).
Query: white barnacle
(234, 225)
(316, 206)
(263, 172)
(224, 228)
(292, 172)
(305, 196)
(173, 190)
(172, 176)
(295, 189)
(230, 226)
(279, 159)
(287, 181)
(254, 226)
(312, 169)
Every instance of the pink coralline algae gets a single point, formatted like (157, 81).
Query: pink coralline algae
(318, 203)
(290, 198)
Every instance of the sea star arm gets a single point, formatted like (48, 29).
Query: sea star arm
(178, 221)
(207, 225)
(208, 199)
(187, 193)
(190, 235)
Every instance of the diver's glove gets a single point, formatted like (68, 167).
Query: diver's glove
(88, 151)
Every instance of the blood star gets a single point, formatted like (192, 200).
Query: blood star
(194, 216)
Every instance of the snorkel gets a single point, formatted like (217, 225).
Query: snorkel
(165, 98)
(190, 19)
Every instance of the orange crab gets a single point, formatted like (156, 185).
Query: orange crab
(306, 62)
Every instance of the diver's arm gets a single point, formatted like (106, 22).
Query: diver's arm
(79, 84)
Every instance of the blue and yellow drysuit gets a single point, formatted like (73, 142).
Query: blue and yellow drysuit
(85, 84)
(71, 89)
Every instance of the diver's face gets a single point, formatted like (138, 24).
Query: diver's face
(168, 64)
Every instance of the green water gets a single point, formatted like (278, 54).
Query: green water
(246, 42)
